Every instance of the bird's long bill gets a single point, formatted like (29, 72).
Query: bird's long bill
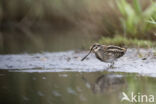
(87, 54)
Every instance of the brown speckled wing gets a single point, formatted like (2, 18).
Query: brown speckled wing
(114, 47)
(116, 52)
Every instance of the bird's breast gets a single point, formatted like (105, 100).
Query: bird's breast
(104, 57)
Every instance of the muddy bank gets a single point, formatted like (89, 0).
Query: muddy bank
(142, 62)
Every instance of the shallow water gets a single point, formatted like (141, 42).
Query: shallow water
(134, 61)
(71, 87)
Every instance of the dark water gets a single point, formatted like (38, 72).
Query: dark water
(71, 87)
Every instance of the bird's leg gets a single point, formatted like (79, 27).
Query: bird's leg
(112, 64)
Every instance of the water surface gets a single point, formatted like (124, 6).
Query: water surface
(71, 87)
(142, 62)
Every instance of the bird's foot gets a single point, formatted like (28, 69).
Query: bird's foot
(111, 66)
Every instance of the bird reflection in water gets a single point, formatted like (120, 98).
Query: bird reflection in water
(107, 83)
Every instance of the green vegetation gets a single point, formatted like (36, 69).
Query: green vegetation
(121, 41)
(152, 21)
(134, 18)
(136, 30)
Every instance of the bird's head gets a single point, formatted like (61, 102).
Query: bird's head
(95, 47)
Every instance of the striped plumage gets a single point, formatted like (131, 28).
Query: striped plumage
(106, 53)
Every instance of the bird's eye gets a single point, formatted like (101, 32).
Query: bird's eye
(96, 47)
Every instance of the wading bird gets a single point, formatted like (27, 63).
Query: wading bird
(105, 53)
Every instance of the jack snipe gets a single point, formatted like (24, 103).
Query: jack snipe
(107, 54)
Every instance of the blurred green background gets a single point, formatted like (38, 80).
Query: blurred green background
(57, 25)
